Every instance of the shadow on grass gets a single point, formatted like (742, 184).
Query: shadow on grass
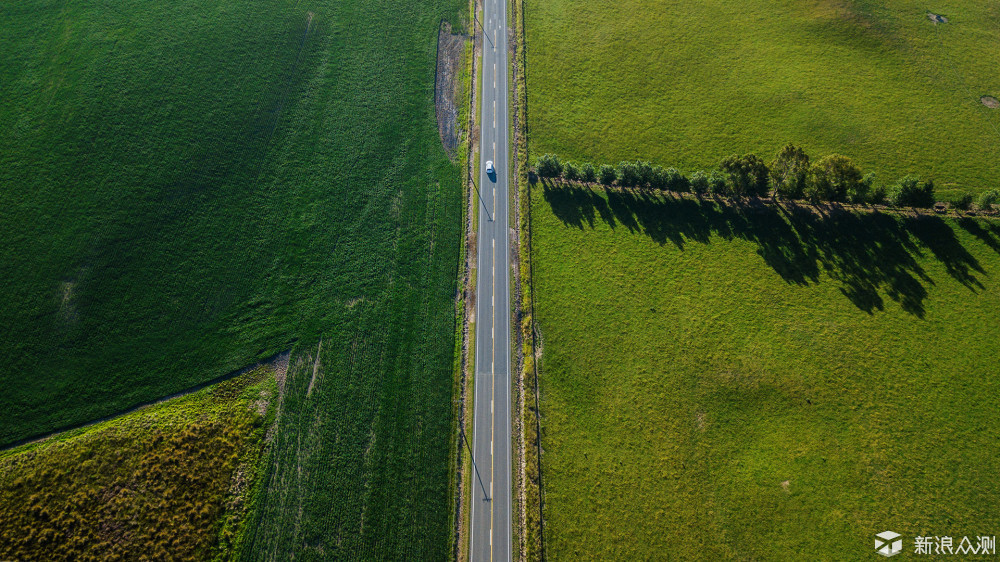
(869, 254)
(990, 234)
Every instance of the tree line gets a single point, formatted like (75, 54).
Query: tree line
(791, 174)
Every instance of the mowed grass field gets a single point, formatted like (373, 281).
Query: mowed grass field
(725, 382)
(684, 84)
(188, 187)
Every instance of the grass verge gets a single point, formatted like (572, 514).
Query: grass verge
(528, 491)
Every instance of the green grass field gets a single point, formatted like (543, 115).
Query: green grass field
(686, 83)
(188, 187)
(761, 383)
(173, 480)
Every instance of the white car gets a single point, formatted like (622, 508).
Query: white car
(489, 167)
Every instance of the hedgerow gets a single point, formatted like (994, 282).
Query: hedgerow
(790, 175)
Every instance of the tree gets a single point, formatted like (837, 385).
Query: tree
(963, 202)
(988, 199)
(718, 184)
(645, 172)
(570, 172)
(878, 196)
(628, 174)
(587, 173)
(909, 192)
(658, 178)
(699, 182)
(831, 178)
(675, 181)
(861, 192)
(789, 171)
(548, 166)
(815, 192)
(747, 175)
(607, 174)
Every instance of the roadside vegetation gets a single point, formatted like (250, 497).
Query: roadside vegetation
(758, 380)
(689, 83)
(189, 187)
(173, 480)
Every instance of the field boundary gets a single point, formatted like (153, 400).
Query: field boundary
(528, 493)
(279, 361)
(751, 202)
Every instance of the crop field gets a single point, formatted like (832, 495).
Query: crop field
(173, 480)
(685, 84)
(191, 186)
(759, 382)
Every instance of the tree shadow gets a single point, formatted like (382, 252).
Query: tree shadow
(870, 254)
(989, 237)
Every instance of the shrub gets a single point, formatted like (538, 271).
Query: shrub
(717, 183)
(548, 166)
(909, 192)
(570, 172)
(878, 196)
(645, 172)
(963, 202)
(831, 178)
(658, 179)
(587, 173)
(989, 199)
(861, 191)
(675, 181)
(788, 172)
(699, 182)
(607, 175)
(747, 175)
(628, 174)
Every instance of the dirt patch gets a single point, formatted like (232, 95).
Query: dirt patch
(449, 61)
(67, 302)
(312, 381)
(936, 18)
(786, 485)
(280, 365)
(990, 102)
(700, 421)
(260, 405)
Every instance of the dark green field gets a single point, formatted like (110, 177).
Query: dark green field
(761, 382)
(190, 186)
(685, 83)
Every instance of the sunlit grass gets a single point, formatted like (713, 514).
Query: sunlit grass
(686, 83)
(174, 479)
(761, 382)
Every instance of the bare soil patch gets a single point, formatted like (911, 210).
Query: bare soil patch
(312, 381)
(449, 61)
(990, 102)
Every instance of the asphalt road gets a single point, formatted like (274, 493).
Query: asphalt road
(490, 535)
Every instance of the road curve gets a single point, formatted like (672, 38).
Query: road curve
(490, 532)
